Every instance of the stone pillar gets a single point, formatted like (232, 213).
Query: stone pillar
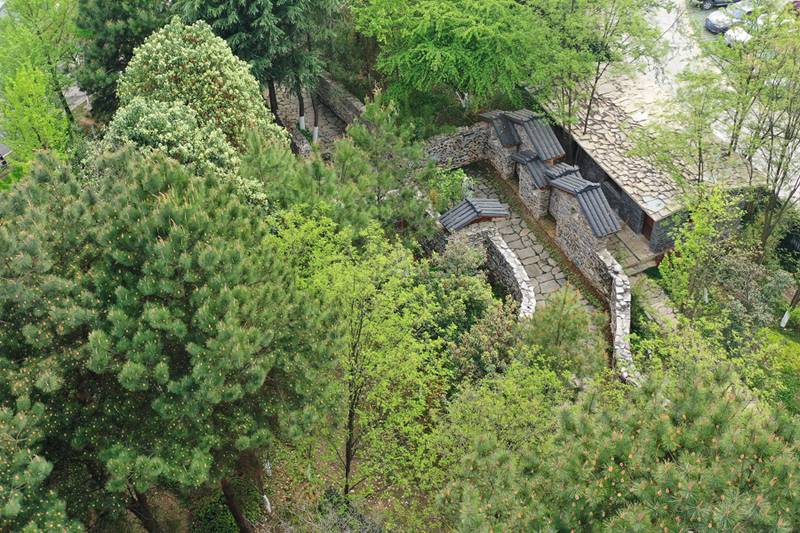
(536, 200)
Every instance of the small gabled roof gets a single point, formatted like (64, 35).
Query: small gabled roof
(505, 130)
(4, 150)
(535, 167)
(561, 169)
(592, 201)
(471, 210)
(539, 132)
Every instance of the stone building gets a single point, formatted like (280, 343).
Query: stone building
(645, 198)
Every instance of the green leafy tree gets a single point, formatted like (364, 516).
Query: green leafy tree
(388, 169)
(192, 66)
(175, 130)
(474, 48)
(518, 408)
(562, 336)
(700, 244)
(378, 173)
(26, 504)
(42, 34)
(388, 373)
(111, 31)
(152, 318)
(569, 336)
(277, 38)
(689, 450)
(30, 119)
(684, 142)
(621, 36)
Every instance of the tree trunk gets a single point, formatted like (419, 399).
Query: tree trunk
(349, 447)
(62, 99)
(236, 510)
(140, 507)
(301, 107)
(315, 131)
(273, 102)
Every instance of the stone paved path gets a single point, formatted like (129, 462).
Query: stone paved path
(544, 272)
(331, 127)
(655, 300)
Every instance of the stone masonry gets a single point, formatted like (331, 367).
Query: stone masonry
(575, 237)
(343, 104)
(459, 149)
(535, 199)
(504, 267)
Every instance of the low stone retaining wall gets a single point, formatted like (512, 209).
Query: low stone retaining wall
(504, 267)
(465, 146)
(619, 287)
(343, 104)
(299, 143)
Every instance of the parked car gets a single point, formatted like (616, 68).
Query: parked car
(720, 21)
(737, 35)
(708, 4)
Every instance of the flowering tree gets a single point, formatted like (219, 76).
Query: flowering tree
(175, 130)
(192, 66)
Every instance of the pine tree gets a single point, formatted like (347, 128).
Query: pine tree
(690, 450)
(276, 37)
(26, 504)
(192, 66)
(157, 327)
(112, 31)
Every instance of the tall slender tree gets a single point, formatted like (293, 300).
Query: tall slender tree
(271, 35)
(41, 33)
(111, 31)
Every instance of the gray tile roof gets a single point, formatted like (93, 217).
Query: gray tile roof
(560, 169)
(539, 132)
(4, 150)
(592, 201)
(471, 210)
(535, 167)
(506, 131)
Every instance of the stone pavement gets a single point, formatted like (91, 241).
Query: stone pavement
(331, 127)
(545, 274)
(656, 302)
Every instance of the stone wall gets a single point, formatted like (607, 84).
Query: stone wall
(535, 199)
(465, 146)
(503, 266)
(346, 106)
(300, 144)
(619, 289)
(498, 156)
(574, 236)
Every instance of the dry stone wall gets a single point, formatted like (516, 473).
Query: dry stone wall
(620, 310)
(504, 267)
(465, 146)
(535, 199)
(591, 256)
(576, 239)
(498, 156)
(344, 105)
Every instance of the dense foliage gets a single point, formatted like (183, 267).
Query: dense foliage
(126, 24)
(690, 450)
(192, 66)
(204, 331)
